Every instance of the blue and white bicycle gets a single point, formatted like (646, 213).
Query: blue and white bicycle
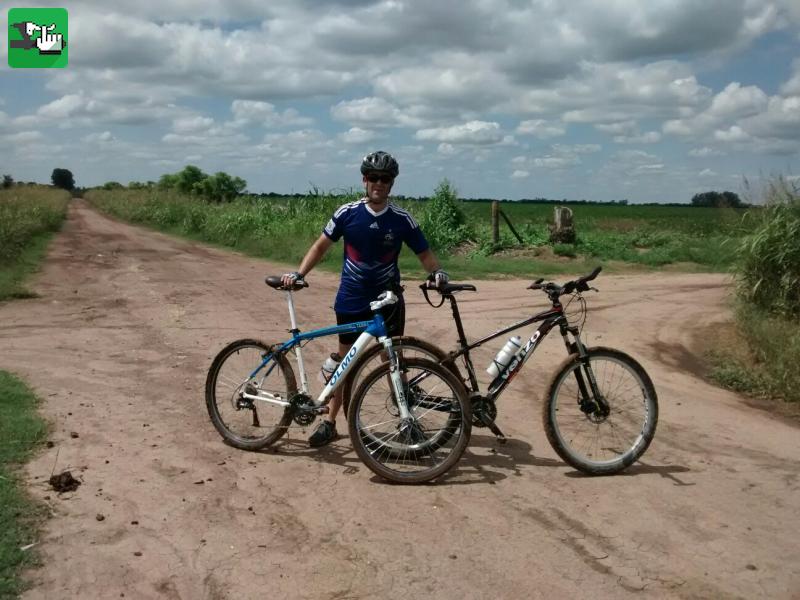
(409, 420)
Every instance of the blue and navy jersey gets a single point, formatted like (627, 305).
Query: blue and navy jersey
(372, 243)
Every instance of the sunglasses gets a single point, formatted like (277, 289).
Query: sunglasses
(382, 178)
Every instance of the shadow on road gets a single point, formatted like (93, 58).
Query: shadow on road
(485, 461)
(640, 468)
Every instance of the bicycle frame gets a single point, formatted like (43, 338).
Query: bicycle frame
(376, 328)
(550, 318)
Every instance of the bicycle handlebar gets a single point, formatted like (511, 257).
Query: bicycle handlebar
(554, 291)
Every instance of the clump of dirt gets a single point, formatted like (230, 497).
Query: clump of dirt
(64, 482)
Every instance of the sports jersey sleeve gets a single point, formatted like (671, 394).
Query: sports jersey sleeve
(335, 227)
(415, 239)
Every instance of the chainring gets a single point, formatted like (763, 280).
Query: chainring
(483, 407)
(303, 409)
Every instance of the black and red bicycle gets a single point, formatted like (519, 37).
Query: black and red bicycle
(601, 409)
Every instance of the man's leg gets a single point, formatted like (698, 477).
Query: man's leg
(326, 431)
(336, 401)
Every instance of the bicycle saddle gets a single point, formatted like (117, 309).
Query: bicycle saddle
(274, 281)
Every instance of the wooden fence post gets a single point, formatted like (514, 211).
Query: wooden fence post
(495, 222)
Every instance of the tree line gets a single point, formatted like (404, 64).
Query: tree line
(222, 187)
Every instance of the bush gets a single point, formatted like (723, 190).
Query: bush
(768, 265)
(442, 220)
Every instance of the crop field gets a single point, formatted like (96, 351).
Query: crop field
(689, 238)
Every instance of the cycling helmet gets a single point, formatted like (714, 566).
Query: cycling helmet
(380, 161)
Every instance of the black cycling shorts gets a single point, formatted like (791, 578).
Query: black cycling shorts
(394, 315)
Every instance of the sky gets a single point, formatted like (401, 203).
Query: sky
(600, 100)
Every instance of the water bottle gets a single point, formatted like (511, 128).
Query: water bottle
(505, 355)
(329, 367)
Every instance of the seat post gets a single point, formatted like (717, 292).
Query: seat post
(294, 331)
(292, 316)
(462, 338)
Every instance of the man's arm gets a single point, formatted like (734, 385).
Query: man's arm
(315, 254)
(429, 261)
(312, 257)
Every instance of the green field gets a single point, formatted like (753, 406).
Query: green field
(282, 229)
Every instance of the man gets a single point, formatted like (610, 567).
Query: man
(373, 230)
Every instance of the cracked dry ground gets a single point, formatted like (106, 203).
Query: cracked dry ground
(118, 344)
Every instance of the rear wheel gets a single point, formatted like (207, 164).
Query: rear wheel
(422, 447)
(249, 423)
(603, 434)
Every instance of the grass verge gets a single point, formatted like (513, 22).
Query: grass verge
(13, 275)
(21, 431)
(758, 355)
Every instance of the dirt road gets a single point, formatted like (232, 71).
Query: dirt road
(118, 345)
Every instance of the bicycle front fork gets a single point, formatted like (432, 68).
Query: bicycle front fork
(396, 375)
(591, 401)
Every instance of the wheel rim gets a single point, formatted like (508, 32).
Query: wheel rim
(607, 440)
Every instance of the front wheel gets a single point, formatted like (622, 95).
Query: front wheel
(425, 445)
(604, 433)
(406, 347)
(260, 419)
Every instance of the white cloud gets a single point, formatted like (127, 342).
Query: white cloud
(375, 112)
(541, 129)
(246, 112)
(356, 135)
(520, 174)
(792, 86)
(99, 138)
(447, 149)
(649, 137)
(619, 128)
(192, 124)
(576, 148)
(473, 132)
(707, 173)
(704, 152)
(555, 162)
(23, 138)
(736, 101)
(732, 134)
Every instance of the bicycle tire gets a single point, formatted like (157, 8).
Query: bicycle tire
(627, 388)
(215, 397)
(405, 342)
(413, 461)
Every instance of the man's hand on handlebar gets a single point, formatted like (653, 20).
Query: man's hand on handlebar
(438, 279)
